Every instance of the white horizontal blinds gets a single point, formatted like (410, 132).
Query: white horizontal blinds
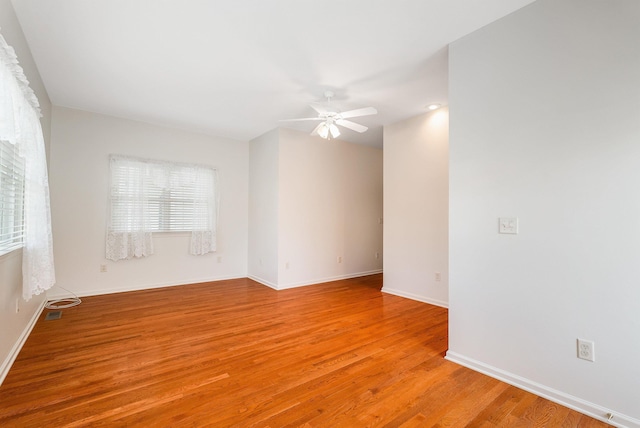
(189, 199)
(127, 195)
(11, 198)
(158, 196)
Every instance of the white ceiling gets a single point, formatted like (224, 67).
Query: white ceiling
(233, 68)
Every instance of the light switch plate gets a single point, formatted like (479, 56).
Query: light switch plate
(508, 225)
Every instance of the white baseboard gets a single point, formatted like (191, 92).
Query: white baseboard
(575, 403)
(423, 299)
(54, 293)
(5, 366)
(328, 279)
(263, 281)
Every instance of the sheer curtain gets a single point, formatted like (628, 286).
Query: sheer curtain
(205, 213)
(20, 125)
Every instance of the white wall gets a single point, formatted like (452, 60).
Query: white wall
(416, 203)
(79, 177)
(14, 327)
(312, 201)
(330, 200)
(263, 208)
(545, 126)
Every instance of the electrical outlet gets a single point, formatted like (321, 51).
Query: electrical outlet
(377, 255)
(438, 276)
(17, 305)
(219, 259)
(508, 225)
(103, 268)
(286, 265)
(586, 350)
(339, 259)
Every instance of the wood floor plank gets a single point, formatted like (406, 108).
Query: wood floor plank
(493, 413)
(238, 354)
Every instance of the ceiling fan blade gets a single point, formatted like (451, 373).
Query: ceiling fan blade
(351, 125)
(299, 120)
(358, 112)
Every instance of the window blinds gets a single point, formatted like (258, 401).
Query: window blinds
(11, 198)
(156, 196)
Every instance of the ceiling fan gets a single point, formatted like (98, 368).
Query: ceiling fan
(329, 118)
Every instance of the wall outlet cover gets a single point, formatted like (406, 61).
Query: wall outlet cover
(508, 225)
(586, 350)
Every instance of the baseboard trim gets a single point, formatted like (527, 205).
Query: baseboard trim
(328, 279)
(263, 281)
(17, 347)
(417, 297)
(575, 403)
(64, 294)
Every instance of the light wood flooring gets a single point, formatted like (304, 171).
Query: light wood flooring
(238, 354)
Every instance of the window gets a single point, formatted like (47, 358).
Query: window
(25, 215)
(11, 198)
(154, 196)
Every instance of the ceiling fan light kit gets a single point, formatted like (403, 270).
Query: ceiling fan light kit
(327, 130)
(329, 118)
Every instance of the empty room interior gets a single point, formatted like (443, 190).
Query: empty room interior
(320, 214)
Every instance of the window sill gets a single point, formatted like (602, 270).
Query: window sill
(14, 253)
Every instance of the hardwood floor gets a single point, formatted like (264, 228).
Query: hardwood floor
(237, 353)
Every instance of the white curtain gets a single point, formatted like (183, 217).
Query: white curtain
(202, 242)
(126, 245)
(20, 125)
(205, 213)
